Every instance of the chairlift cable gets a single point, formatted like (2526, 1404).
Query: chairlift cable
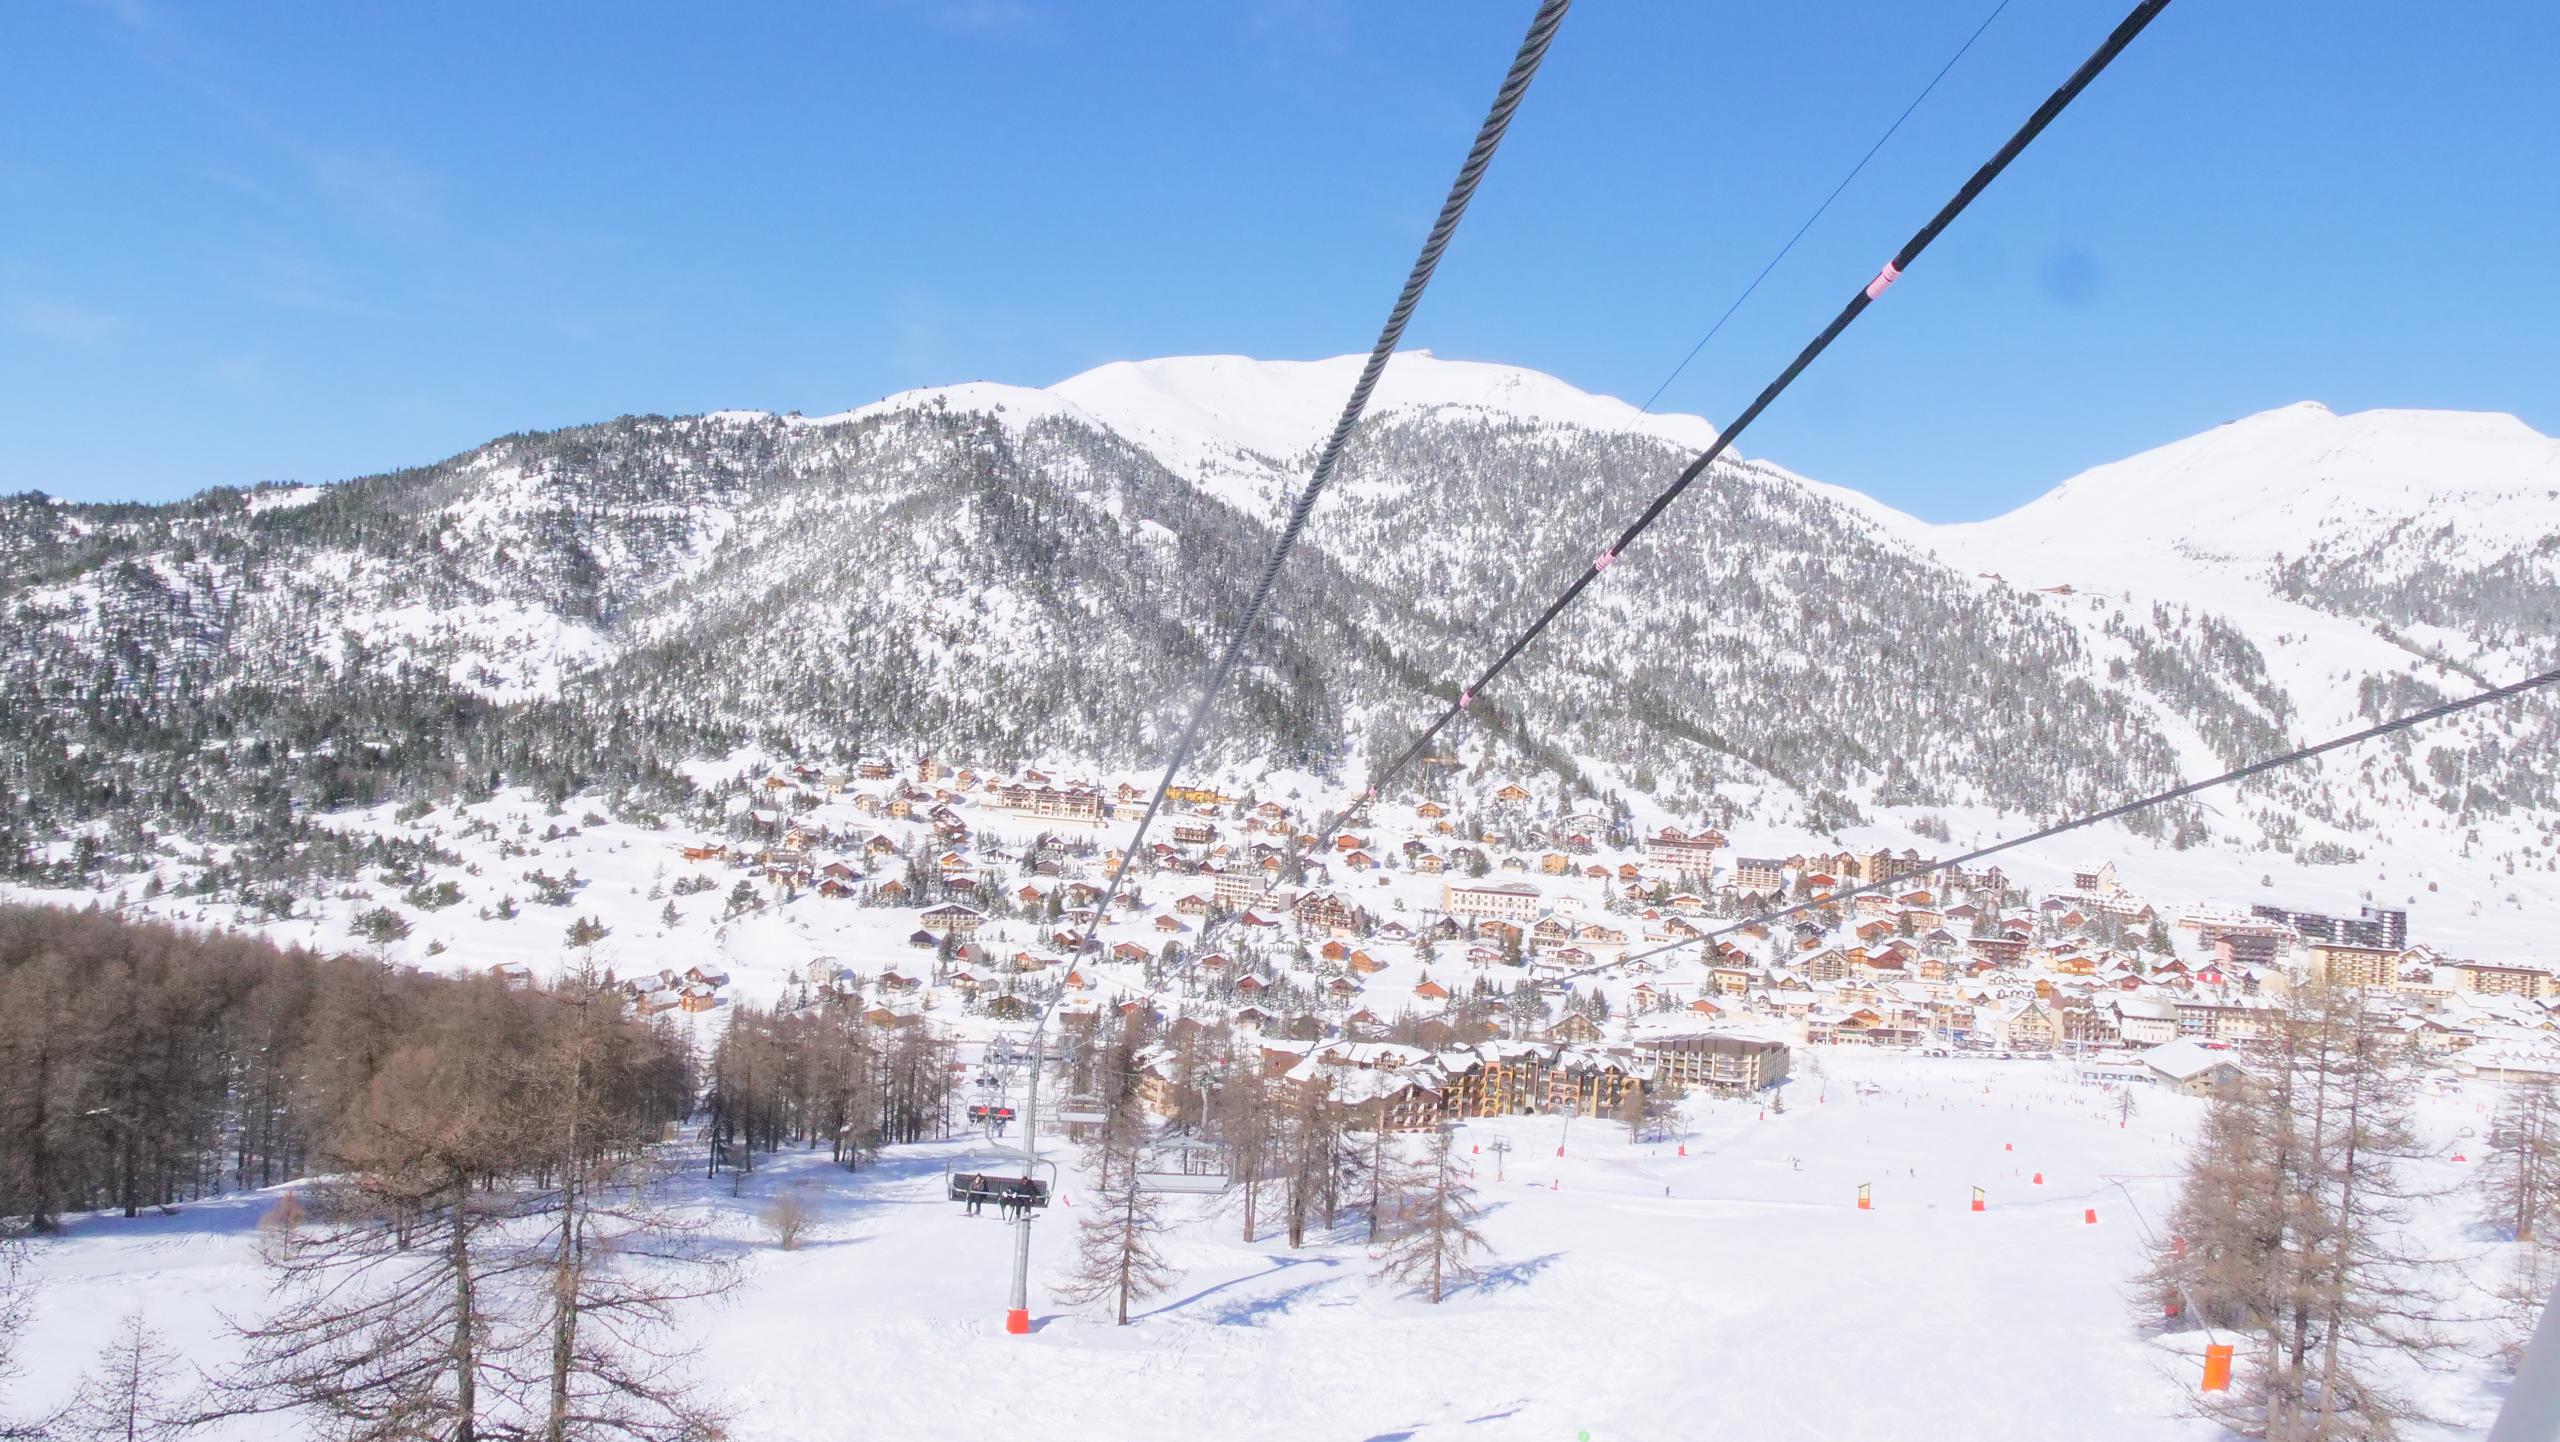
(2123, 35)
(2406, 722)
(1497, 120)
(1818, 210)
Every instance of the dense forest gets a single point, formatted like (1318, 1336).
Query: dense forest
(478, 1241)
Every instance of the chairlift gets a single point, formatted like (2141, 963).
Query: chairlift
(1184, 1164)
(998, 1182)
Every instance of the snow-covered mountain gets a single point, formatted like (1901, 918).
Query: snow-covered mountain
(1000, 571)
(2374, 562)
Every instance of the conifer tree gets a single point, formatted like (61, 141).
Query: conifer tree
(1430, 1243)
(126, 1396)
(2288, 1228)
(1117, 1257)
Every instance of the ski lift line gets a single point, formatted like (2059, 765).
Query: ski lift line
(2123, 35)
(1818, 210)
(2438, 712)
(1497, 120)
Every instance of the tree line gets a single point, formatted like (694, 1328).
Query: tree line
(478, 1247)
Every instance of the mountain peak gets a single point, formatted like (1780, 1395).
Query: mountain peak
(2255, 484)
(1280, 409)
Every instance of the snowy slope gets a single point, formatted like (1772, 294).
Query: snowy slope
(1241, 427)
(2275, 484)
(2251, 517)
(2396, 552)
(1634, 1293)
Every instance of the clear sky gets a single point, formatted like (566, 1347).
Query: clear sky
(308, 241)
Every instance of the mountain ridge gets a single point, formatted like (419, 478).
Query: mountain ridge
(1007, 572)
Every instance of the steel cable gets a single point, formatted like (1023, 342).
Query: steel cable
(1497, 120)
(2114, 45)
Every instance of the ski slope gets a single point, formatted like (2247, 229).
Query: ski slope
(1634, 1293)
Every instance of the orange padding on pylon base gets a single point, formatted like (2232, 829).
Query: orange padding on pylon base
(2217, 1367)
(1018, 1322)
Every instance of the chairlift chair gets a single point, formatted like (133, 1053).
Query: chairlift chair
(1185, 1165)
(997, 1181)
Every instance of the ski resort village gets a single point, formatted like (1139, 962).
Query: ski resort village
(1493, 947)
(1530, 1059)
(760, 732)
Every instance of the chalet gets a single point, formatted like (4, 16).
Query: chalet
(952, 919)
(1999, 951)
(2192, 1069)
(1829, 964)
(2033, 1025)
(1574, 1027)
(1324, 913)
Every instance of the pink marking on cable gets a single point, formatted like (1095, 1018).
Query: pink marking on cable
(1884, 278)
(1604, 560)
(1466, 699)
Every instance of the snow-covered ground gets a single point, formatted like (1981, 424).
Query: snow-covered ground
(1634, 1292)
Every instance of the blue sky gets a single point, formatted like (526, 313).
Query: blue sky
(307, 241)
